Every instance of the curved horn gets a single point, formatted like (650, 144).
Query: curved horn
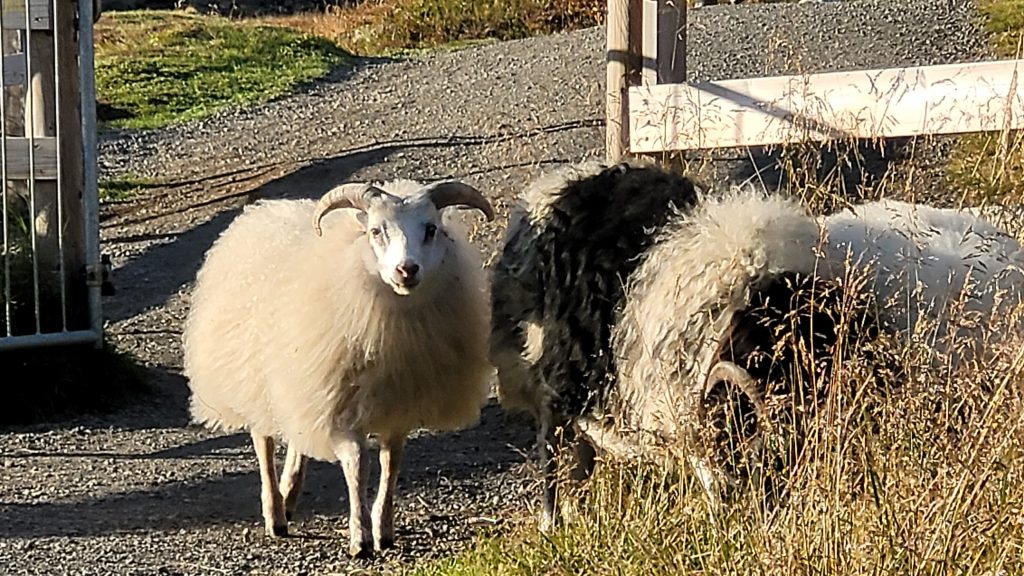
(454, 193)
(356, 196)
(731, 372)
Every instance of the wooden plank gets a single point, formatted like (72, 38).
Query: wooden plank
(671, 41)
(14, 14)
(946, 99)
(649, 43)
(663, 46)
(14, 70)
(617, 56)
(44, 158)
(72, 181)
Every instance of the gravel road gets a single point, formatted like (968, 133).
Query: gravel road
(141, 491)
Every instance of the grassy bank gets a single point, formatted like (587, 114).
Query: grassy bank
(158, 67)
(388, 26)
(990, 167)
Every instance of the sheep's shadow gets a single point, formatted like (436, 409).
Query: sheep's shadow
(856, 167)
(433, 465)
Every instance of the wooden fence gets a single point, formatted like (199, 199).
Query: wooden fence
(651, 108)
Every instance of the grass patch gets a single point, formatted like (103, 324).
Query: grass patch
(158, 67)
(122, 188)
(1004, 20)
(378, 27)
(989, 167)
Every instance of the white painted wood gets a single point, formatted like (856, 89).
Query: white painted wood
(44, 158)
(946, 99)
(14, 14)
(616, 70)
(649, 46)
(14, 70)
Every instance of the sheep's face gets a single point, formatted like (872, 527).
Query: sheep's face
(408, 241)
(405, 232)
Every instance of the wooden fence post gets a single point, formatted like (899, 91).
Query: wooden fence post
(617, 58)
(71, 152)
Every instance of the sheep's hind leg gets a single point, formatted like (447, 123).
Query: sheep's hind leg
(292, 477)
(547, 450)
(384, 505)
(351, 451)
(274, 519)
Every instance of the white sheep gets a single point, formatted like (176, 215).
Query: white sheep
(378, 327)
(941, 274)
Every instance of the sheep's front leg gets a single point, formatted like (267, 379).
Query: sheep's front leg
(274, 520)
(292, 477)
(351, 451)
(384, 506)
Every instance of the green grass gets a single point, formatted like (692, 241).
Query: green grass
(988, 168)
(1004, 20)
(122, 188)
(158, 67)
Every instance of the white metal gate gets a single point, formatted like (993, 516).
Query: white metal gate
(50, 275)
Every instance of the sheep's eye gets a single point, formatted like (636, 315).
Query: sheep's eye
(429, 233)
(376, 232)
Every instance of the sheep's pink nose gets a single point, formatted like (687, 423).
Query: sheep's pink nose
(408, 270)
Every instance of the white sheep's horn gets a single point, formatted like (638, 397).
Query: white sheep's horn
(454, 193)
(730, 372)
(356, 196)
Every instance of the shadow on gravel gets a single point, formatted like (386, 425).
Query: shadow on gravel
(449, 466)
(158, 273)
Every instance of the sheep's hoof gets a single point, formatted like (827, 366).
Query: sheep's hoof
(288, 515)
(362, 551)
(385, 543)
(280, 531)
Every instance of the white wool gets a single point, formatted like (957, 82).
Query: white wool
(922, 262)
(295, 336)
(682, 299)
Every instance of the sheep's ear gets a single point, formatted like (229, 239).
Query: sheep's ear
(454, 193)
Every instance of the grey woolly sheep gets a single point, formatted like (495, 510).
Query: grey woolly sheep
(377, 327)
(631, 317)
(557, 287)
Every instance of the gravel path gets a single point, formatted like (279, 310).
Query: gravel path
(142, 492)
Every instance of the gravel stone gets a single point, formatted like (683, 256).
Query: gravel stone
(142, 492)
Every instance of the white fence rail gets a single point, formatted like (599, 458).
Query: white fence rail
(652, 109)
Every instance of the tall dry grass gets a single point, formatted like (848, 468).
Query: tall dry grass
(386, 26)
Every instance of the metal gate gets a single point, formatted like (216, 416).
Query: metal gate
(50, 274)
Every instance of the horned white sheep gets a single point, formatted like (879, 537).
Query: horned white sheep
(378, 327)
